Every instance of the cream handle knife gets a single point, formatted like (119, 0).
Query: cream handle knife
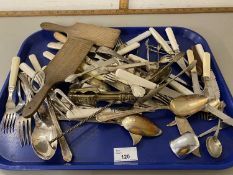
(172, 39)
(139, 38)
(160, 40)
(128, 48)
(175, 47)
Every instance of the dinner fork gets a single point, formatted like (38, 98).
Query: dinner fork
(8, 120)
(24, 124)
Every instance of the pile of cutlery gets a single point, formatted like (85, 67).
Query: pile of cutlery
(117, 76)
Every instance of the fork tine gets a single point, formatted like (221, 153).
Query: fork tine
(3, 122)
(29, 131)
(7, 123)
(19, 129)
(14, 122)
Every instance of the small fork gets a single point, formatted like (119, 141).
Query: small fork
(8, 120)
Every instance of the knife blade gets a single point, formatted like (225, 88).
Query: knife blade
(225, 118)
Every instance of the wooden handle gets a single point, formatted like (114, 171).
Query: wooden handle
(160, 40)
(191, 59)
(35, 62)
(53, 27)
(206, 65)
(138, 38)
(172, 39)
(28, 70)
(14, 71)
(48, 55)
(36, 101)
(60, 37)
(128, 48)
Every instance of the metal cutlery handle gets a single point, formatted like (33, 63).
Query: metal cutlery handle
(65, 149)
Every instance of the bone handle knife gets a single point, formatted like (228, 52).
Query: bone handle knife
(160, 40)
(139, 37)
(175, 47)
(194, 76)
(128, 48)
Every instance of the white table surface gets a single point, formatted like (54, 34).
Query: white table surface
(216, 28)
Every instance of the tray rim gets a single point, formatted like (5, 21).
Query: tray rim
(157, 166)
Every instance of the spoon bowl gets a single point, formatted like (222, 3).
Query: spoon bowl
(43, 132)
(214, 146)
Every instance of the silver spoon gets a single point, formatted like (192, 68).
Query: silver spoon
(213, 144)
(43, 132)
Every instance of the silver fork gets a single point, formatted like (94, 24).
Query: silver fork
(24, 124)
(8, 120)
(21, 102)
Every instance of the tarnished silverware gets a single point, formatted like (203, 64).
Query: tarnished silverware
(43, 132)
(184, 145)
(183, 127)
(151, 93)
(10, 115)
(175, 47)
(65, 149)
(80, 123)
(139, 125)
(188, 104)
(92, 99)
(117, 115)
(213, 144)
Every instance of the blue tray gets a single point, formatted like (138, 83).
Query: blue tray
(92, 145)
